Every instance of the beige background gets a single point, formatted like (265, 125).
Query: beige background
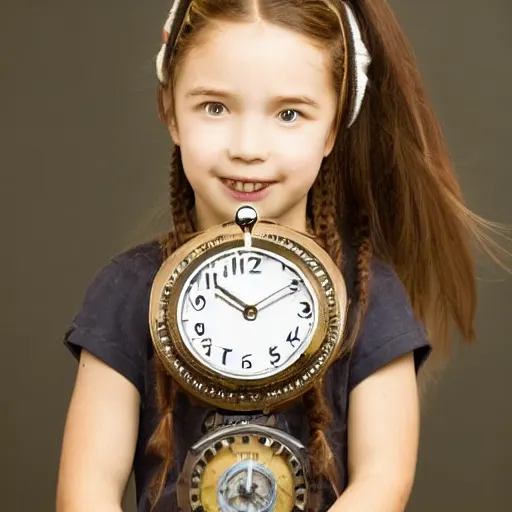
(83, 166)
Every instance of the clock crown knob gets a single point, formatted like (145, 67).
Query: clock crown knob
(246, 218)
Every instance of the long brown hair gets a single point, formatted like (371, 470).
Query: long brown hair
(389, 178)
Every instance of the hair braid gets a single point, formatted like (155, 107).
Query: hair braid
(161, 442)
(321, 457)
(181, 202)
(363, 274)
(323, 208)
(323, 195)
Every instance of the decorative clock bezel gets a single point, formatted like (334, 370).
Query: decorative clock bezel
(242, 394)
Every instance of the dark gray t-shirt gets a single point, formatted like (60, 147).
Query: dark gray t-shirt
(113, 325)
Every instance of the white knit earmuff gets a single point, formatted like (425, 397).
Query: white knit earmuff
(361, 60)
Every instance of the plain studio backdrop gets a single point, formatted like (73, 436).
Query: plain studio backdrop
(83, 166)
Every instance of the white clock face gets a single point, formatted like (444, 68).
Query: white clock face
(247, 313)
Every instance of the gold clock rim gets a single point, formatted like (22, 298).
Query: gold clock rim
(185, 261)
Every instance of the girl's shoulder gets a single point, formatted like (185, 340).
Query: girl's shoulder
(143, 258)
(111, 322)
(390, 328)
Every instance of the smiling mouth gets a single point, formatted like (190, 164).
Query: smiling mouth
(245, 186)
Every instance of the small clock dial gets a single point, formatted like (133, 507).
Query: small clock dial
(247, 313)
(247, 487)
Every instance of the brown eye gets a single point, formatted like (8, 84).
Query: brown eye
(289, 115)
(214, 109)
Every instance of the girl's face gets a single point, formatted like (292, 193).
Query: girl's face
(254, 110)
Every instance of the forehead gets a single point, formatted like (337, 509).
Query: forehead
(266, 57)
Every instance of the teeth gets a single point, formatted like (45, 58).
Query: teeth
(241, 186)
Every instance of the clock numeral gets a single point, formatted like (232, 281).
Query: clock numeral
(239, 264)
(225, 355)
(198, 303)
(207, 344)
(295, 285)
(274, 354)
(210, 279)
(246, 364)
(306, 312)
(293, 337)
(199, 328)
(256, 262)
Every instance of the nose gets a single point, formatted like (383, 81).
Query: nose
(249, 141)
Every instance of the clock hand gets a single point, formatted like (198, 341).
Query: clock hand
(230, 299)
(248, 483)
(277, 296)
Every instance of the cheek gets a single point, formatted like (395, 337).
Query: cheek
(303, 158)
(201, 148)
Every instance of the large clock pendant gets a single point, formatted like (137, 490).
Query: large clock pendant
(245, 316)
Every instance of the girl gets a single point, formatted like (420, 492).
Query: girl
(313, 111)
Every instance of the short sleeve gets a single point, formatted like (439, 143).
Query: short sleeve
(389, 329)
(112, 323)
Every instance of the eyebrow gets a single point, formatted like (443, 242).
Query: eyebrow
(279, 100)
(204, 91)
(297, 100)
